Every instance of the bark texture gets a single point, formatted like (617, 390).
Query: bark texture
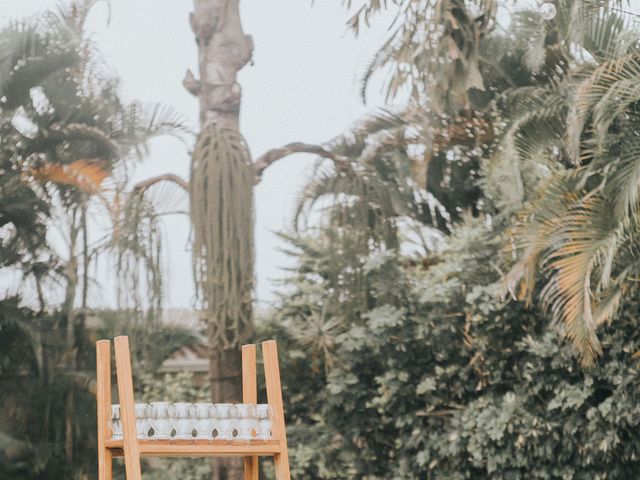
(223, 49)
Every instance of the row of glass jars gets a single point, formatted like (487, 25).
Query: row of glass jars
(221, 421)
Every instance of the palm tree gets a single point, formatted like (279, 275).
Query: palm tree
(541, 115)
(68, 142)
(579, 234)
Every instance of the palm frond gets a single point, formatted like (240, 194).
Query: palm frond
(534, 232)
(27, 57)
(168, 194)
(607, 303)
(619, 167)
(137, 245)
(87, 176)
(570, 235)
(537, 119)
(136, 124)
(592, 98)
(607, 35)
(385, 55)
(77, 141)
(74, 13)
(587, 239)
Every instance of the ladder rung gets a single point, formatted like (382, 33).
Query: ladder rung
(200, 448)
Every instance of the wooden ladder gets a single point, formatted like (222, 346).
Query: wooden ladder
(133, 448)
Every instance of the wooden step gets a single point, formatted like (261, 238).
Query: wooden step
(199, 448)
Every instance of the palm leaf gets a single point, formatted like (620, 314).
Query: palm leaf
(621, 167)
(587, 239)
(534, 231)
(592, 98)
(85, 175)
(27, 57)
(136, 124)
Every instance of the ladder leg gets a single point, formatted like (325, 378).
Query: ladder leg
(250, 395)
(103, 399)
(274, 397)
(127, 409)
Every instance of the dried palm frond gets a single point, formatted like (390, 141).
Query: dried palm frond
(83, 174)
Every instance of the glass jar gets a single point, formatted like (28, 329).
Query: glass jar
(247, 421)
(263, 413)
(204, 425)
(226, 421)
(115, 423)
(183, 419)
(160, 420)
(142, 420)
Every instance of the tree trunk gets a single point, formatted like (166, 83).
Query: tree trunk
(223, 49)
(71, 270)
(225, 370)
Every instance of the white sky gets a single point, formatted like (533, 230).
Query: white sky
(303, 87)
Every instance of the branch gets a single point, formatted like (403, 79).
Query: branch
(342, 163)
(168, 177)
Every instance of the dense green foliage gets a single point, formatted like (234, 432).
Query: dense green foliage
(444, 380)
(407, 352)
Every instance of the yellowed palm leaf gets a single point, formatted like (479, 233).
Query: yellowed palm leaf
(86, 175)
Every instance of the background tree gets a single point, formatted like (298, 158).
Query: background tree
(439, 374)
(221, 189)
(68, 144)
(578, 235)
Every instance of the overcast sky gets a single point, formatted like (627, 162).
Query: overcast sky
(303, 86)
